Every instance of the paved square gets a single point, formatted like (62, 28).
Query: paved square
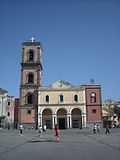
(74, 144)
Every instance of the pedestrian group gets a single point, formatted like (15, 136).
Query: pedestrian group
(96, 129)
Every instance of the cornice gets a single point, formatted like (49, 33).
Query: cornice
(34, 86)
(66, 104)
(38, 44)
(42, 89)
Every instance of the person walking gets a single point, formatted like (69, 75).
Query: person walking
(56, 131)
(8, 126)
(107, 129)
(94, 128)
(44, 128)
(98, 128)
(21, 130)
(40, 130)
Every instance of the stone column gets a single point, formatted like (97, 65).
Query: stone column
(83, 120)
(54, 120)
(69, 123)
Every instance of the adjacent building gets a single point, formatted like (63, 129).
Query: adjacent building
(6, 109)
(16, 104)
(111, 112)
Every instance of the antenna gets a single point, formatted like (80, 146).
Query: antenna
(92, 81)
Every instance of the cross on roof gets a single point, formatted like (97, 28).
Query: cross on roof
(32, 39)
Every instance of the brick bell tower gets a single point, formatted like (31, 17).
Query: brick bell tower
(93, 104)
(31, 76)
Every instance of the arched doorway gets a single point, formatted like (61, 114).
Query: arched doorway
(76, 118)
(62, 118)
(47, 118)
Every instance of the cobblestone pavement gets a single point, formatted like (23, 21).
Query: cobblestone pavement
(73, 144)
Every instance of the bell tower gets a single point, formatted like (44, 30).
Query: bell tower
(31, 76)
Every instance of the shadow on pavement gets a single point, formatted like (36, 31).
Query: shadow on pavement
(38, 141)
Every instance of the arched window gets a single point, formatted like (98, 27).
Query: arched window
(75, 98)
(8, 103)
(31, 78)
(47, 98)
(29, 98)
(93, 97)
(8, 114)
(61, 98)
(30, 56)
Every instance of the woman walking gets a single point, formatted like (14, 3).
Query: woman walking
(56, 131)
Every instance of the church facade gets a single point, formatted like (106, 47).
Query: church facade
(61, 103)
(69, 106)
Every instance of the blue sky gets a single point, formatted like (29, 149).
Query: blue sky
(80, 39)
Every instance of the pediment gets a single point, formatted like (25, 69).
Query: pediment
(61, 84)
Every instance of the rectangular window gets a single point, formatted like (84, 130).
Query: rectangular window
(93, 100)
(93, 110)
(29, 111)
